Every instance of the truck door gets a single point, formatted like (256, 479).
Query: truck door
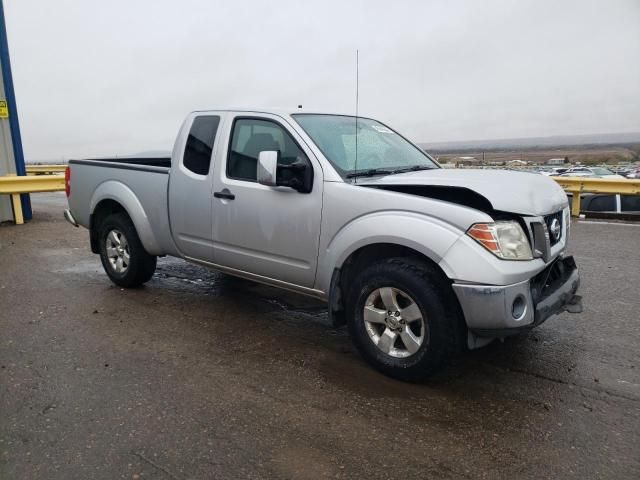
(268, 231)
(190, 186)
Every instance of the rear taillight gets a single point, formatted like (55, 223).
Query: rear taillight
(67, 181)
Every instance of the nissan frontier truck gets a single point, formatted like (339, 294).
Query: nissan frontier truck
(419, 262)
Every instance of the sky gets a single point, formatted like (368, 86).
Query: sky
(99, 78)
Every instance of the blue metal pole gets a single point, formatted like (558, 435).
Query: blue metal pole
(14, 124)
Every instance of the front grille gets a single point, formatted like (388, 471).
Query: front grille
(553, 226)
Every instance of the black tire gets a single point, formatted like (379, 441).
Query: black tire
(432, 293)
(141, 265)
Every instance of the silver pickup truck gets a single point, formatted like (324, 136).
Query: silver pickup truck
(420, 262)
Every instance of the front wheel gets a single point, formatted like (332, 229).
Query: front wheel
(123, 257)
(403, 318)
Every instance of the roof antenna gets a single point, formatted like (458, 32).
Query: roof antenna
(355, 165)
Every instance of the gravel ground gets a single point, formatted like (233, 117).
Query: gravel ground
(200, 375)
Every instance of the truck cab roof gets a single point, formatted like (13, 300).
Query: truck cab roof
(272, 111)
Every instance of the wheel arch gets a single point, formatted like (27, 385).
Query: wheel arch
(343, 275)
(428, 236)
(112, 197)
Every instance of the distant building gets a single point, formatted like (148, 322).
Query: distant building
(466, 161)
(516, 163)
(556, 161)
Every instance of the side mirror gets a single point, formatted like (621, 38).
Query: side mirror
(267, 168)
(297, 175)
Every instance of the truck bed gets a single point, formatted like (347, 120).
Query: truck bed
(138, 184)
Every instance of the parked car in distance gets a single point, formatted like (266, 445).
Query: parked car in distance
(420, 262)
(624, 171)
(634, 172)
(552, 171)
(598, 172)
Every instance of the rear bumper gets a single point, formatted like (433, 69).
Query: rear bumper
(498, 311)
(68, 216)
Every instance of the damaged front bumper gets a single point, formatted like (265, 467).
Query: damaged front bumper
(498, 311)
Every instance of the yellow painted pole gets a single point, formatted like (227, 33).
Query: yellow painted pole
(17, 209)
(575, 204)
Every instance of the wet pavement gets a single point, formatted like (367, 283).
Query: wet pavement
(199, 375)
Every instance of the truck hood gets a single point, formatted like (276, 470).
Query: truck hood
(516, 192)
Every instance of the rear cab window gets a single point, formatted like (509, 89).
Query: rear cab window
(199, 147)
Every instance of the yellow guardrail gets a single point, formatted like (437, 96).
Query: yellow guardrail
(14, 186)
(612, 186)
(45, 169)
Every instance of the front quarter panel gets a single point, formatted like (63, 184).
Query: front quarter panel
(354, 217)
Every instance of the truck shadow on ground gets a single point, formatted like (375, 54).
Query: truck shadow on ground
(302, 328)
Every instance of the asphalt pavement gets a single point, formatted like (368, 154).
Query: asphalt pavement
(199, 375)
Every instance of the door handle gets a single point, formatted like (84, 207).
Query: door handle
(225, 193)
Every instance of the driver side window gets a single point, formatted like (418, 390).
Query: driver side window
(249, 137)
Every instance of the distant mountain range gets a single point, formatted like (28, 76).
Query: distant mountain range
(537, 142)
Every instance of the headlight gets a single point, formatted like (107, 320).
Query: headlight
(505, 240)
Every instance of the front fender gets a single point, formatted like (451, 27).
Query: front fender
(427, 235)
(119, 192)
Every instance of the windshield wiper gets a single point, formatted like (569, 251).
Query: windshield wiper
(369, 173)
(415, 168)
(386, 171)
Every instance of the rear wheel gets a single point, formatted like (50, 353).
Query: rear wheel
(123, 257)
(403, 318)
